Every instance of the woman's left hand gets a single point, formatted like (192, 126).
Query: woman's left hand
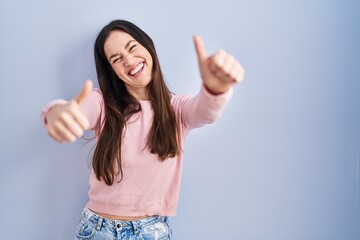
(219, 71)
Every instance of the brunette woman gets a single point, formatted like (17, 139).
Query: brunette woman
(140, 130)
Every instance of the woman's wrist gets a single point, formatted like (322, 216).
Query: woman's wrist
(217, 91)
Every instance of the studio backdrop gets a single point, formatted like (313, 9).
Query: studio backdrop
(282, 162)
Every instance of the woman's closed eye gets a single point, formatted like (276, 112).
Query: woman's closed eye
(117, 60)
(132, 48)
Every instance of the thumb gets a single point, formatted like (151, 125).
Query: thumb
(200, 49)
(88, 86)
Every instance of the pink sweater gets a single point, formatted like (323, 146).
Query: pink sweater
(149, 186)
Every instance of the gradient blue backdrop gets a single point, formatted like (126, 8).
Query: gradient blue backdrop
(282, 163)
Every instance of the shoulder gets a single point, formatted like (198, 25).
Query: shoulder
(97, 91)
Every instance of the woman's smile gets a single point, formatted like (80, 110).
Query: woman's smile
(137, 70)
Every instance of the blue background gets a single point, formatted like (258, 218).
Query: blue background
(281, 163)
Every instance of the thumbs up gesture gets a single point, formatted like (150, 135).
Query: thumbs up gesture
(219, 71)
(65, 122)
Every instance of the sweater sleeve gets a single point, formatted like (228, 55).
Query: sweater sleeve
(203, 108)
(92, 107)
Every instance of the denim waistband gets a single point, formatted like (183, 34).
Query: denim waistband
(118, 224)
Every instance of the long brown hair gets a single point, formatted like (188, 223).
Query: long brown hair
(163, 138)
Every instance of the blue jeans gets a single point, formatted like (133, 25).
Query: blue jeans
(94, 227)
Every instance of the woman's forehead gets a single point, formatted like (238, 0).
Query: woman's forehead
(117, 40)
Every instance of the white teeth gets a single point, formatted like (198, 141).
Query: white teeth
(137, 69)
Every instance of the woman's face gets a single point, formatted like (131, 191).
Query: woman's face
(131, 62)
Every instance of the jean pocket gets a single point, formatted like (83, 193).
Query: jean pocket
(85, 229)
(159, 230)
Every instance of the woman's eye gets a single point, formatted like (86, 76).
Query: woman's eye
(132, 48)
(117, 60)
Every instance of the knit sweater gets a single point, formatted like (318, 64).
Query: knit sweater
(149, 186)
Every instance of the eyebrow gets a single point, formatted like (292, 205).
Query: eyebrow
(126, 46)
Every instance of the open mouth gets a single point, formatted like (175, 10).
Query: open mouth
(137, 70)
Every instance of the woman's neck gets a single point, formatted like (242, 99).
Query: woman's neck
(139, 93)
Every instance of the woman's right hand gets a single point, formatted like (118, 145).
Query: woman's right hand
(66, 122)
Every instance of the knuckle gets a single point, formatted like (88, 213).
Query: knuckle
(57, 125)
(234, 76)
(63, 116)
(50, 131)
(67, 138)
(211, 60)
(217, 62)
(228, 73)
(213, 66)
(227, 68)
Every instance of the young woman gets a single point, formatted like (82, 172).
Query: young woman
(140, 130)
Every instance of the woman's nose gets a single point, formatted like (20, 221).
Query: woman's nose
(128, 60)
